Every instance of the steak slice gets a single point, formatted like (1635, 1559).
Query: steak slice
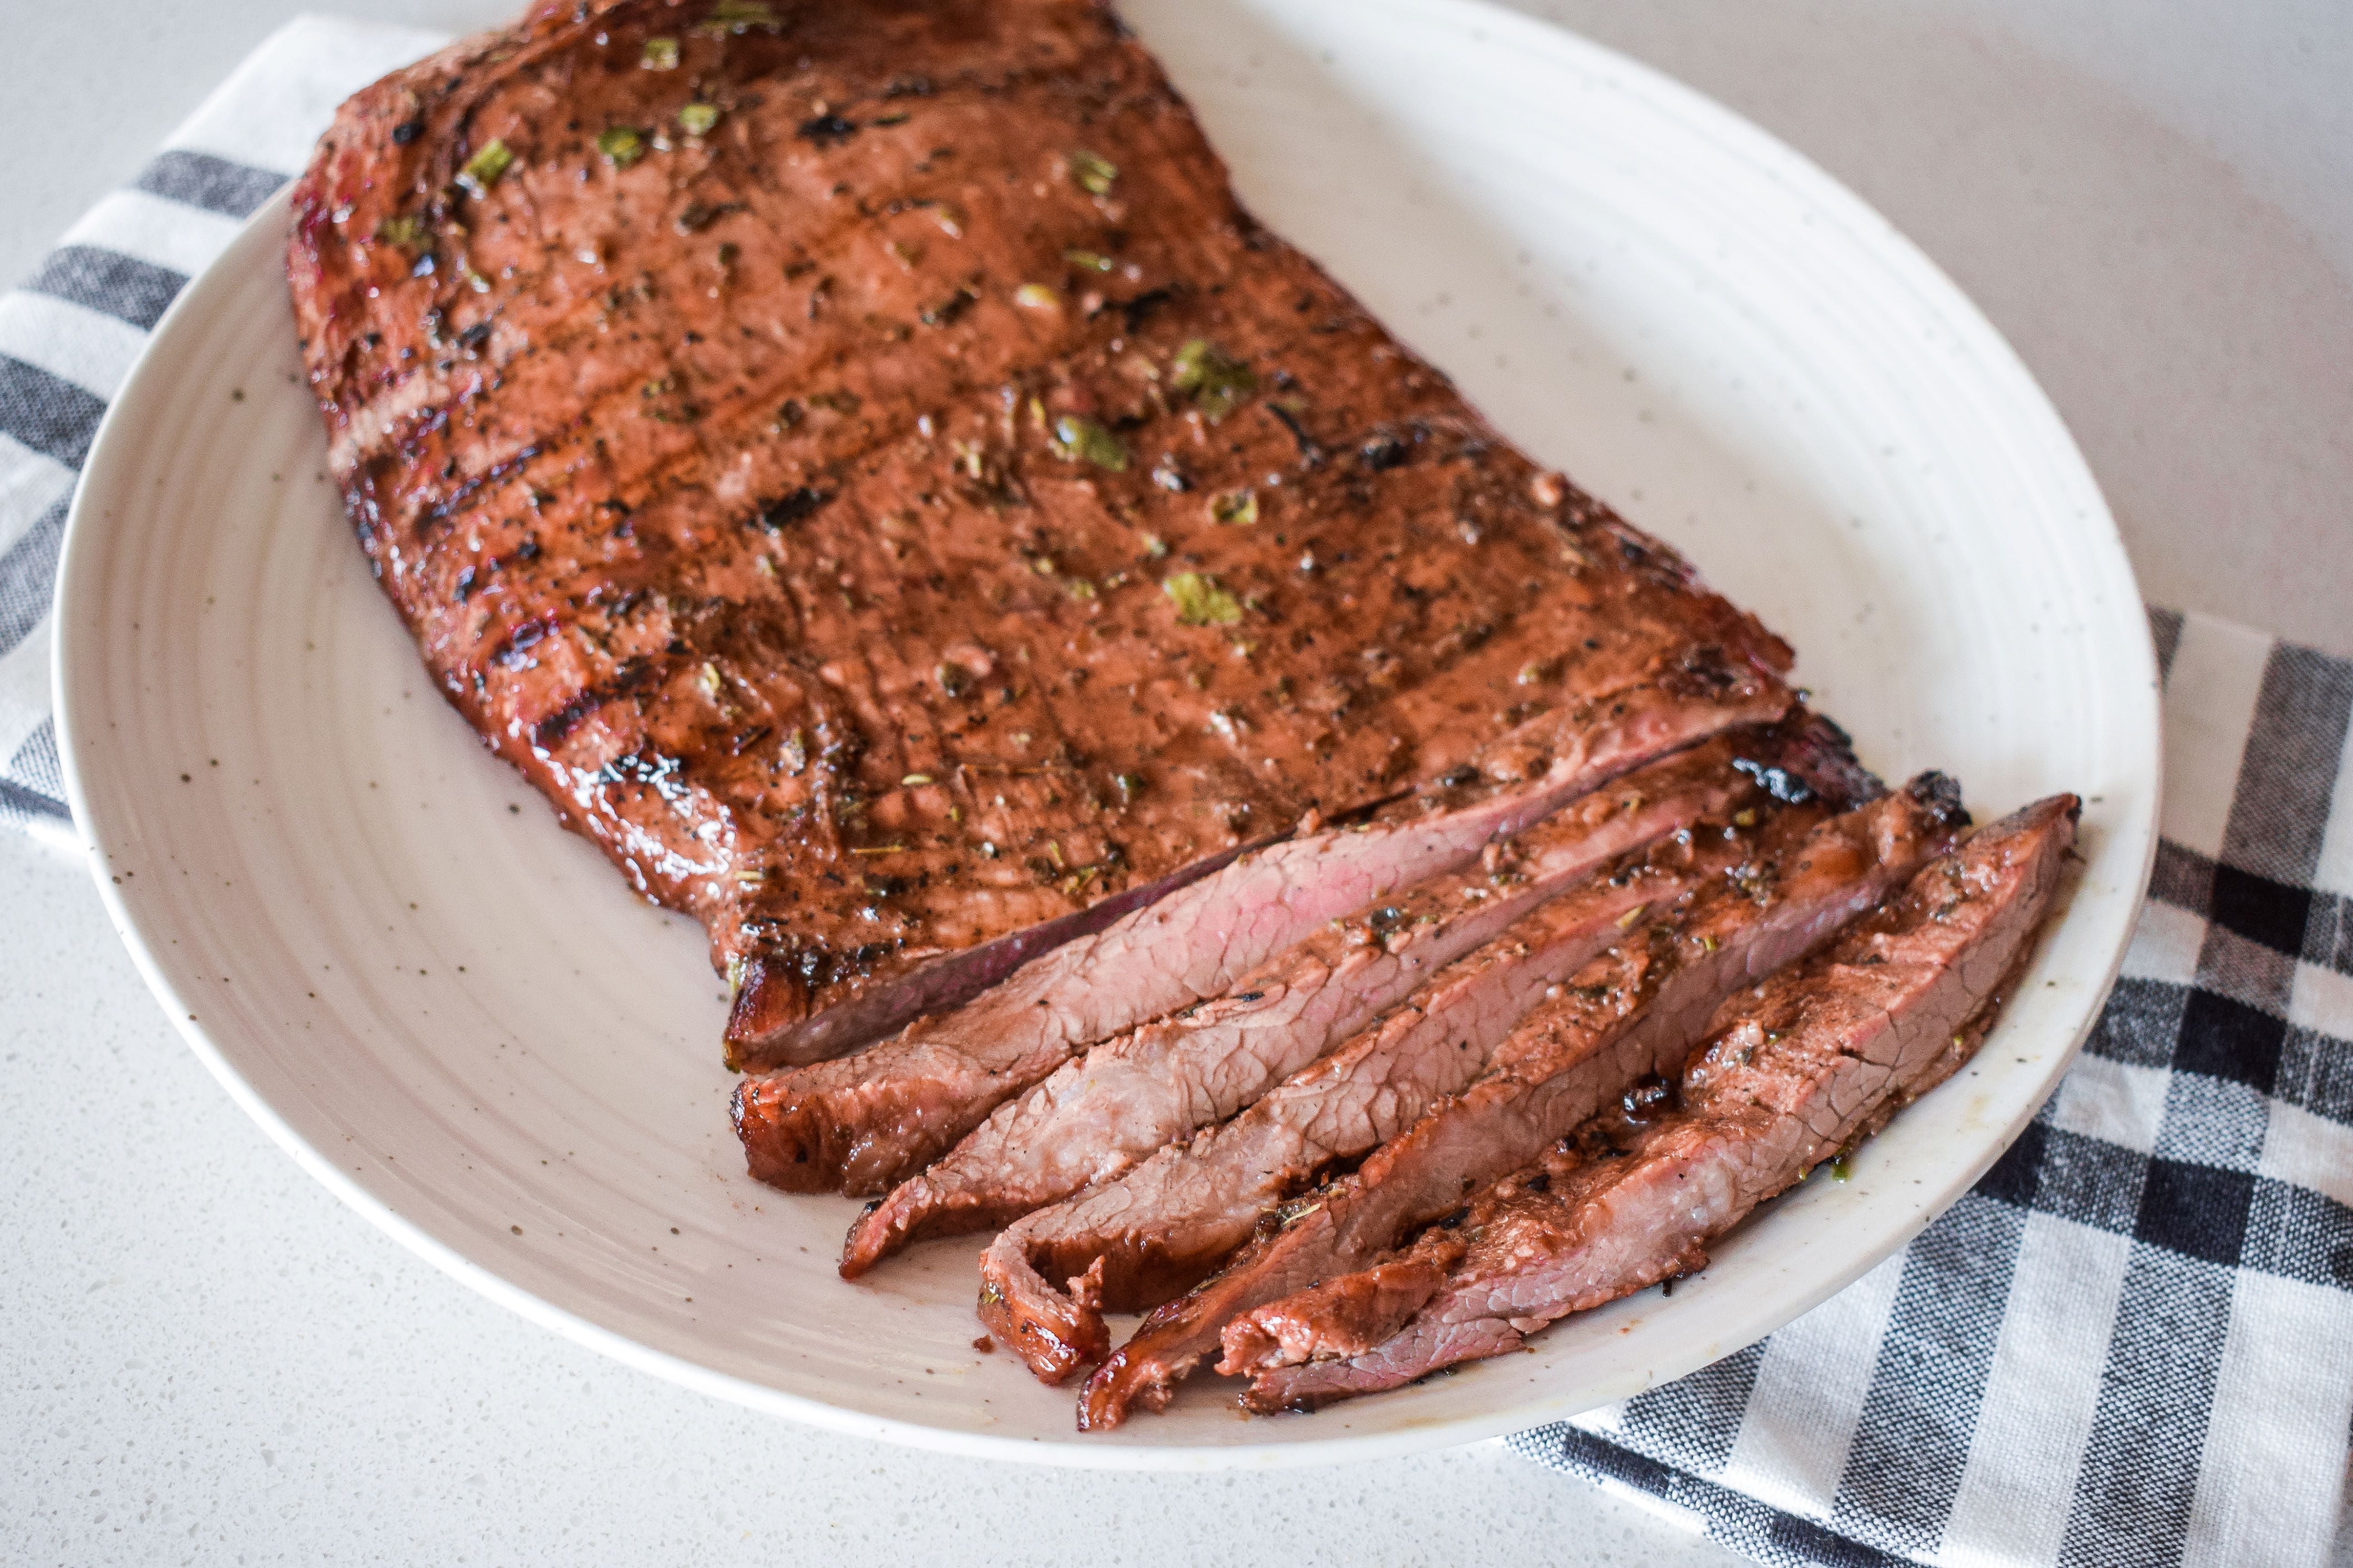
(861, 464)
(1561, 1065)
(868, 1122)
(1096, 1116)
(1810, 1063)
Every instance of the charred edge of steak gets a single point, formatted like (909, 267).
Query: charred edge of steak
(1807, 757)
(771, 1023)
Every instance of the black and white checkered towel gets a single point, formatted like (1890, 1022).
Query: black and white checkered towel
(2132, 1344)
(68, 336)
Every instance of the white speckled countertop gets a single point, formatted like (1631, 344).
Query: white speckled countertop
(204, 1357)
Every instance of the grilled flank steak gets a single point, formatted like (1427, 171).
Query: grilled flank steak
(862, 465)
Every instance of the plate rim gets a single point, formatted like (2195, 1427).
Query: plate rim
(85, 525)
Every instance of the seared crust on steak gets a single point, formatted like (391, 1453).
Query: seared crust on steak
(1809, 1063)
(861, 465)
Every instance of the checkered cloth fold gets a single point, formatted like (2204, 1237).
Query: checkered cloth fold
(68, 336)
(2132, 1343)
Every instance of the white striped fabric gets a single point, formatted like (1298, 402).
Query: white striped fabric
(2132, 1344)
(1808, 1397)
(69, 335)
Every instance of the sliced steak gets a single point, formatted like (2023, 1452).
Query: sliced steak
(868, 1122)
(1094, 1116)
(1806, 1065)
(1573, 1055)
(1174, 1219)
(1137, 1240)
(827, 451)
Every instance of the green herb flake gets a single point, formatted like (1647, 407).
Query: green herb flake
(1093, 172)
(660, 55)
(1217, 384)
(737, 16)
(1088, 261)
(1077, 440)
(1036, 297)
(697, 119)
(1237, 508)
(408, 231)
(622, 145)
(1200, 601)
(484, 169)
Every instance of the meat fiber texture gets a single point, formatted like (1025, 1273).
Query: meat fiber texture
(861, 465)
(1803, 1067)
(1584, 1049)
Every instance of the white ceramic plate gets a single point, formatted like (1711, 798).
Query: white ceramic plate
(457, 1017)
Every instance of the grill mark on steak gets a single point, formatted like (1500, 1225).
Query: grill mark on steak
(867, 1122)
(1096, 1116)
(1810, 1063)
(1569, 1058)
(569, 448)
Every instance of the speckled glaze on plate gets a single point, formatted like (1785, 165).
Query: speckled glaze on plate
(458, 1018)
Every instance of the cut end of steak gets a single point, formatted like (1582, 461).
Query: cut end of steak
(1344, 1317)
(1054, 1333)
(846, 513)
(1806, 1065)
(1637, 1015)
(773, 1021)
